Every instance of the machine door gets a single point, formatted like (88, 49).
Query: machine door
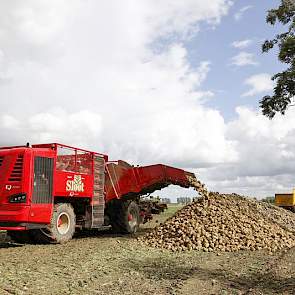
(42, 193)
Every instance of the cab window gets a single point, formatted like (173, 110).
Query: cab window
(72, 160)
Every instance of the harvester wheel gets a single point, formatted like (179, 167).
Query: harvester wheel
(125, 217)
(22, 237)
(62, 226)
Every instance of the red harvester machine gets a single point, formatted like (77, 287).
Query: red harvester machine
(49, 190)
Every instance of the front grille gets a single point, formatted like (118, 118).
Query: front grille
(16, 174)
(43, 175)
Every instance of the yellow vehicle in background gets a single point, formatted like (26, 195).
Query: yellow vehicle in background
(286, 201)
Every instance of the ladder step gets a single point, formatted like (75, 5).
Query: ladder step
(99, 166)
(98, 221)
(97, 187)
(98, 181)
(98, 204)
(98, 195)
(98, 208)
(98, 218)
(98, 224)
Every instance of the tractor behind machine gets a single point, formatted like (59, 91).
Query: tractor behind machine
(286, 201)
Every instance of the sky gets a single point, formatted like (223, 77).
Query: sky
(173, 82)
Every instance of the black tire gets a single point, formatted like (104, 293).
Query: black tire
(61, 228)
(125, 217)
(20, 236)
(155, 211)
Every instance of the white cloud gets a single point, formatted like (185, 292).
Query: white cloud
(9, 122)
(266, 157)
(54, 126)
(92, 75)
(4, 75)
(241, 44)
(106, 62)
(58, 126)
(180, 17)
(1, 56)
(243, 59)
(143, 132)
(259, 83)
(239, 15)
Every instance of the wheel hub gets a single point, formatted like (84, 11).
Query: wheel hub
(132, 220)
(63, 223)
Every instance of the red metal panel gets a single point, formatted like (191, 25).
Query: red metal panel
(9, 187)
(40, 213)
(123, 180)
(21, 212)
(54, 146)
(71, 184)
(14, 213)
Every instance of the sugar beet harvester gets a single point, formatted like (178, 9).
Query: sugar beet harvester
(49, 190)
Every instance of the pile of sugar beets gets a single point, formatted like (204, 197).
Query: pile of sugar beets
(224, 222)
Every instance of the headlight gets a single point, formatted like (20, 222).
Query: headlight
(19, 198)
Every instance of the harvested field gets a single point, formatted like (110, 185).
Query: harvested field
(104, 263)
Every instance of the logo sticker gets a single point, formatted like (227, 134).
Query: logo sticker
(75, 185)
(8, 187)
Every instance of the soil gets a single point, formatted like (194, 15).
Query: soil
(104, 263)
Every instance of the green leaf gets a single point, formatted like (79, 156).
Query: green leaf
(284, 89)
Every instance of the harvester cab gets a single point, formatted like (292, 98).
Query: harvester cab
(26, 186)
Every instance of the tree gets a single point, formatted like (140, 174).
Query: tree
(270, 200)
(183, 200)
(284, 90)
(166, 200)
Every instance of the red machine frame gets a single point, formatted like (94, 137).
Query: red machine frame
(18, 178)
(27, 213)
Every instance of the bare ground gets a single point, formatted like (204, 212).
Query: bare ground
(103, 263)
